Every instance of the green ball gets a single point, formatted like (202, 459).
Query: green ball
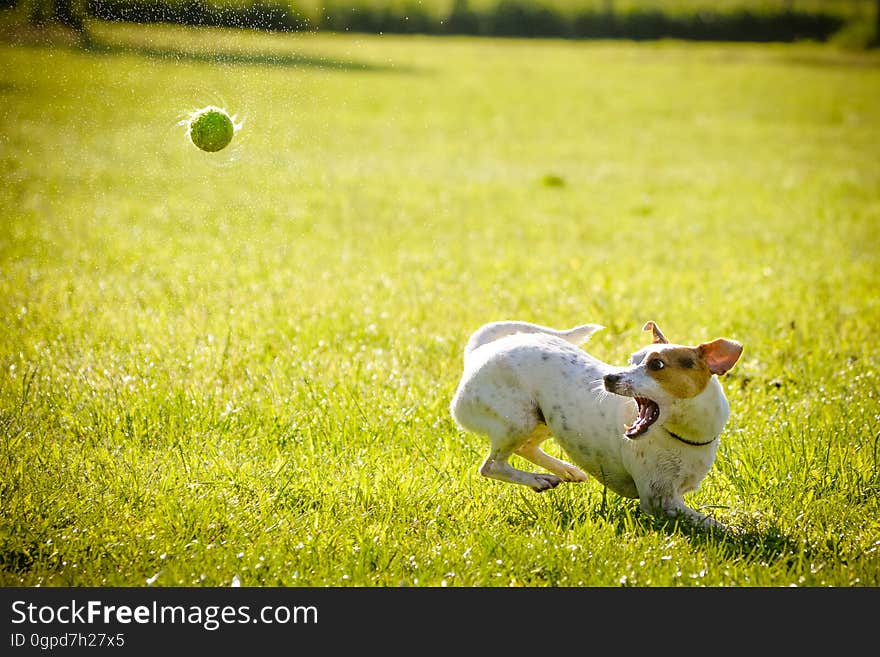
(211, 129)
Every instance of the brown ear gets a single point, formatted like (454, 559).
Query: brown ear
(720, 355)
(658, 336)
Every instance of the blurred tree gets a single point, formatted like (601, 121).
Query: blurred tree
(70, 13)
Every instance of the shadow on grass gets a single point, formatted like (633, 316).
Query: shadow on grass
(54, 36)
(749, 538)
(233, 58)
(744, 538)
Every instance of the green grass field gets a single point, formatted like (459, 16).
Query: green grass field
(239, 365)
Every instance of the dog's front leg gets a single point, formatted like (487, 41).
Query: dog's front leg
(674, 507)
(697, 518)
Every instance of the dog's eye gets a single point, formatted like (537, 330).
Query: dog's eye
(656, 364)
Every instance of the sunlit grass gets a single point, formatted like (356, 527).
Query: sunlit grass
(239, 363)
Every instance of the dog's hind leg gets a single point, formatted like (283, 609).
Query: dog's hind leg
(509, 421)
(497, 466)
(531, 451)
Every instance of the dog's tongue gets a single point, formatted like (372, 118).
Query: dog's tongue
(648, 414)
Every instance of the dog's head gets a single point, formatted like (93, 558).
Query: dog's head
(662, 374)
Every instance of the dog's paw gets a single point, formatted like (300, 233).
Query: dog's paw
(545, 482)
(571, 473)
(707, 523)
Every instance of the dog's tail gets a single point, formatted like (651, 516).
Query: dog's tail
(496, 330)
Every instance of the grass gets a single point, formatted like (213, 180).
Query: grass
(239, 364)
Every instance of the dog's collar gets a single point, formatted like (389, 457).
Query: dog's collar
(689, 442)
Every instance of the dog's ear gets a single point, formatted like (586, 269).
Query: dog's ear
(655, 331)
(720, 355)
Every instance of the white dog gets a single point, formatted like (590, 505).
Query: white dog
(654, 439)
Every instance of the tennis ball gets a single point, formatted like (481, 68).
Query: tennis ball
(211, 129)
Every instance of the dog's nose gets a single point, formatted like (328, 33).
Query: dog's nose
(611, 380)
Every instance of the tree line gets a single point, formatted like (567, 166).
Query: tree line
(509, 18)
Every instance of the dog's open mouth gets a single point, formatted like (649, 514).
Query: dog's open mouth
(649, 411)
